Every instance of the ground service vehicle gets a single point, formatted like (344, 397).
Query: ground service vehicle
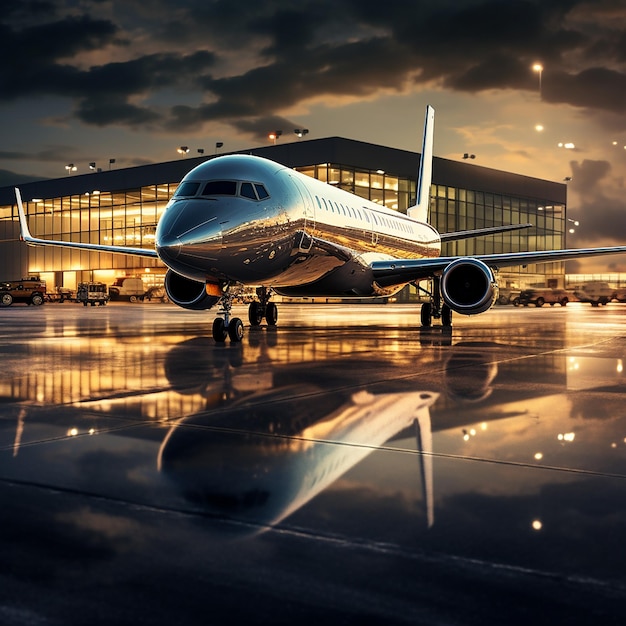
(596, 292)
(127, 289)
(507, 295)
(92, 293)
(29, 290)
(542, 296)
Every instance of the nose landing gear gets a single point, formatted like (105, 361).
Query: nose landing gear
(224, 327)
(227, 327)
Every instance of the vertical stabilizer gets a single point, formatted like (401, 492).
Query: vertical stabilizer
(419, 212)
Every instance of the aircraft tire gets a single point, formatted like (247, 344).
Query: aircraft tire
(446, 316)
(426, 314)
(219, 330)
(255, 313)
(235, 330)
(271, 314)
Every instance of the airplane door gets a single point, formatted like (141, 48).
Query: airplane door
(374, 231)
(309, 218)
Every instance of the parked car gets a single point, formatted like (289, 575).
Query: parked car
(542, 296)
(30, 290)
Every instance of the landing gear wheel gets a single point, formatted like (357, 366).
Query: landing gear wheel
(446, 316)
(255, 313)
(426, 314)
(271, 314)
(219, 330)
(235, 330)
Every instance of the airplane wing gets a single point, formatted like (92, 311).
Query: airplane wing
(397, 271)
(28, 238)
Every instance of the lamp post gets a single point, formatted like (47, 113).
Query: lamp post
(275, 135)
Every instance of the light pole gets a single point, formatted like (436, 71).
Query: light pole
(273, 136)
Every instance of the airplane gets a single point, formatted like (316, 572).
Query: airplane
(245, 220)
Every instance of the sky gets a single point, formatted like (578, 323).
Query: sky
(132, 80)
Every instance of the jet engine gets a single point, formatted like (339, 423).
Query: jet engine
(468, 286)
(187, 293)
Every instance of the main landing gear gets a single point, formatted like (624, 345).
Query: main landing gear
(263, 308)
(435, 308)
(233, 328)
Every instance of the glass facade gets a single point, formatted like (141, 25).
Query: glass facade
(454, 209)
(129, 217)
(121, 218)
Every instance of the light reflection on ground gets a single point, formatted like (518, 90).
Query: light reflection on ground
(503, 441)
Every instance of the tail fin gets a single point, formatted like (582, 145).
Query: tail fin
(419, 211)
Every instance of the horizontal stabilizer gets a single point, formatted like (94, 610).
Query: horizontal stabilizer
(477, 232)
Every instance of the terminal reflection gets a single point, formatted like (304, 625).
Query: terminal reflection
(256, 431)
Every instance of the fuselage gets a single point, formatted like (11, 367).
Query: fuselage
(245, 219)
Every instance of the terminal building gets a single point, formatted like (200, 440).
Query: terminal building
(123, 206)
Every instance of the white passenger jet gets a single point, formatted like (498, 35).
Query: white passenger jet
(245, 220)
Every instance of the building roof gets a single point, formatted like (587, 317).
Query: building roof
(334, 150)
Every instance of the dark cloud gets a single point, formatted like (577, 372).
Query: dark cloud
(250, 60)
(592, 88)
(12, 178)
(602, 217)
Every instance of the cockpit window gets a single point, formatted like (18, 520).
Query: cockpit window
(220, 188)
(187, 189)
(247, 191)
(261, 191)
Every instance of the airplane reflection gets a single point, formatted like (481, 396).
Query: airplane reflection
(255, 433)
(268, 455)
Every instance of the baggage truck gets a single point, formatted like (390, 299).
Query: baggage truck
(92, 293)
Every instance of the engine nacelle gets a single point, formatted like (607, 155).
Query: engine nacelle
(468, 286)
(187, 293)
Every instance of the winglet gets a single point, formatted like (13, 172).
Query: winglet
(24, 231)
(419, 211)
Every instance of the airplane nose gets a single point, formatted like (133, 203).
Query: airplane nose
(186, 230)
(168, 249)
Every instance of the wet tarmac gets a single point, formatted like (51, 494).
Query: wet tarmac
(345, 467)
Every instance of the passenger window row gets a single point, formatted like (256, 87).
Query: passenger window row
(366, 215)
(252, 191)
